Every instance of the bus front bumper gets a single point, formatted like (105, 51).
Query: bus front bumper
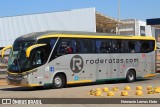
(20, 82)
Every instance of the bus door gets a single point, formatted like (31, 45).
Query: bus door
(42, 56)
(38, 60)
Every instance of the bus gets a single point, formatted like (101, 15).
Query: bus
(60, 58)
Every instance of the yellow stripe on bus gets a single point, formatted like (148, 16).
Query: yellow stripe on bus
(29, 49)
(26, 85)
(80, 81)
(97, 36)
(149, 75)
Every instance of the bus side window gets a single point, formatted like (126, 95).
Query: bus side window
(145, 47)
(84, 46)
(108, 46)
(73, 45)
(65, 47)
(97, 43)
(48, 48)
(103, 48)
(151, 45)
(137, 46)
(131, 46)
(116, 46)
(52, 43)
(88, 45)
(124, 46)
(38, 57)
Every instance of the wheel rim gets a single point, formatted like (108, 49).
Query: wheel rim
(131, 76)
(58, 82)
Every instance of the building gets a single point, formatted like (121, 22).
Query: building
(73, 20)
(135, 27)
(86, 19)
(155, 23)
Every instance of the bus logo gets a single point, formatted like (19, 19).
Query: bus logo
(76, 64)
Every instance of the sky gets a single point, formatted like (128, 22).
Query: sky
(129, 9)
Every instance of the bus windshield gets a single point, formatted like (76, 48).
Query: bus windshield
(17, 59)
(18, 62)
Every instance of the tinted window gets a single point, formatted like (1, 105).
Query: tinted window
(46, 50)
(38, 57)
(66, 46)
(103, 46)
(88, 46)
(108, 46)
(123, 46)
(82, 46)
(73, 46)
(116, 46)
(131, 47)
(147, 46)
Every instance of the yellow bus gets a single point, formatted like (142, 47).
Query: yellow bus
(58, 58)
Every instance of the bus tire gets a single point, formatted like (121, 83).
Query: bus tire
(59, 81)
(131, 76)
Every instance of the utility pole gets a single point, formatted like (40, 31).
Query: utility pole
(118, 25)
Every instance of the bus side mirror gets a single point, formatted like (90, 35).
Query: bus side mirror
(29, 49)
(4, 49)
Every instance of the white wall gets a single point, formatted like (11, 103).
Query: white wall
(73, 20)
(149, 31)
(133, 28)
(139, 23)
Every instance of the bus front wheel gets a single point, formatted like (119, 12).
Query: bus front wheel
(131, 76)
(58, 81)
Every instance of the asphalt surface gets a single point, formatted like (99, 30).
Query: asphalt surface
(81, 91)
(77, 91)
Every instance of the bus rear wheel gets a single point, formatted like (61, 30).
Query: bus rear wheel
(131, 76)
(59, 81)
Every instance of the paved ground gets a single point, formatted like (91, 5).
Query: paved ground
(80, 91)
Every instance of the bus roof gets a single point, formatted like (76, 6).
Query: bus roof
(77, 34)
